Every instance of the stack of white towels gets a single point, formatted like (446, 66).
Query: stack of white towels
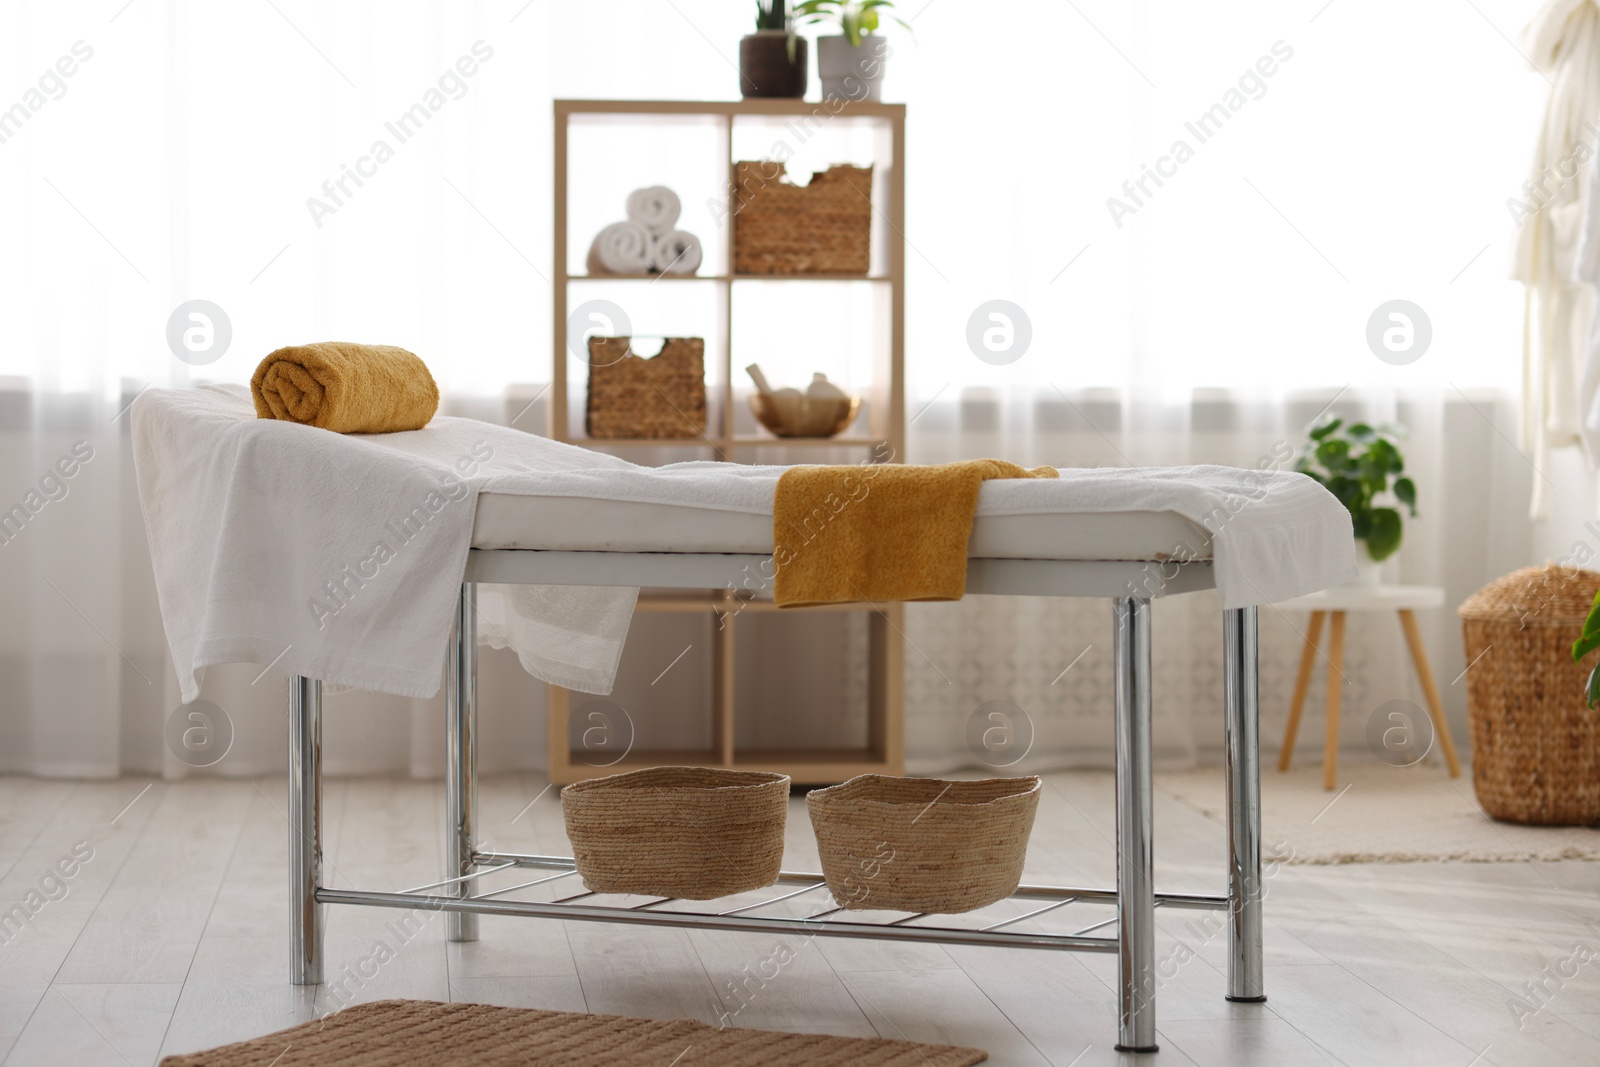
(647, 243)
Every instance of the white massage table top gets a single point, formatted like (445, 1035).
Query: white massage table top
(341, 557)
(585, 524)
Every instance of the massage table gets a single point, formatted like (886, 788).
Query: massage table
(1127, 558)
(212, 475)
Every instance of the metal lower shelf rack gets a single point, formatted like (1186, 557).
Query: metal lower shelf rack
(988, 930)
(464, 893)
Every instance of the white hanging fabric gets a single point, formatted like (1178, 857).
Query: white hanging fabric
(1557, 255)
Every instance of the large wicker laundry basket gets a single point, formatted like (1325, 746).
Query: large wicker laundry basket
(688, 832)
(1535, 741)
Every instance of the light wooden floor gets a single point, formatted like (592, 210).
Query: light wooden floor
(173, 938)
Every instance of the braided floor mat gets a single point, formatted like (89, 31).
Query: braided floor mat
(418, 1031)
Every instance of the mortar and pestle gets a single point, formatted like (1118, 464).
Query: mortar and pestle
(823, 410)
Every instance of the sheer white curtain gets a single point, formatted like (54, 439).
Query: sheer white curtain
(202, 151)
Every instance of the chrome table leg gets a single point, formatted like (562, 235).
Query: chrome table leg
(1136, 906)
(1242, 736)
(461, 760)
(305, 830)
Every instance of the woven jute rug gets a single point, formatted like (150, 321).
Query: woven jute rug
(418, 1031)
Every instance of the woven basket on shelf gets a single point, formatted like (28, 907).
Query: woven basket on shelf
(660, 397)
(1535, 742)
(919, 844)
(821, 228)
(688, 832)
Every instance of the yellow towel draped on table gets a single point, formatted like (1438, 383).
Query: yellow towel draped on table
(879, 532)
(346, 387)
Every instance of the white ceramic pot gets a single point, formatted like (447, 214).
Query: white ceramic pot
(852, 72)
(1369, 572)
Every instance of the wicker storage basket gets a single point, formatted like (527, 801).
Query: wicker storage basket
(1535, 743)
(688, 832)
(919, 844)
(663, 396)
(821, 228)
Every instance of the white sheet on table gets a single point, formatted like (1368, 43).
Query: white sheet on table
(249, 518)
(1275, 534)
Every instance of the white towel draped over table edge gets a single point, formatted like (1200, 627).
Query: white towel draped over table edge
(339, 557)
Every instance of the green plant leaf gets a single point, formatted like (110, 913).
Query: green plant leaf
(1382, 457)
(1405, 490)
(1356, 500)
(814, 11)
(1360, 431)
(772, 15)
(1333, 454)
(1384, 538)
(1374, 473)
(1594, 687)
(1317, 433)
(1589, 639)
(1399, 458)
(1592, 623)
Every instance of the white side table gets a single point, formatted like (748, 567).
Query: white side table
(1404, 599)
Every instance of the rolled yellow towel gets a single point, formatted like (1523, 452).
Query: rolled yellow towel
(880, 532)
(346, 388)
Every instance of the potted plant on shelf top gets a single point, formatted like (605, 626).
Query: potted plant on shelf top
(851, 64)
(772, 61)
(1362, 466)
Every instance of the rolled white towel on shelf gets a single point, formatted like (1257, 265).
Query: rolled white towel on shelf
(621, 248)
(655, 207)
(677, 252)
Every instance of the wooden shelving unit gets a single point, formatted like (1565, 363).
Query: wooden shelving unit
(728, 436)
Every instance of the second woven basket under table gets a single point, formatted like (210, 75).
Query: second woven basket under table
(687, 832)
(920, 844)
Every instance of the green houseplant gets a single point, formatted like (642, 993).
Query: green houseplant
(1586, 643)
(1362, 466)
(851, 64)
(773, 60)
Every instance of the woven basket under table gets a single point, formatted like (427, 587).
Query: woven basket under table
(920, 844)
(687, 832)
(1535, 741)
(821, 228)
(660, 397)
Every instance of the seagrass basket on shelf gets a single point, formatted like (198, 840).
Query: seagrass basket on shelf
(920, 844)
(688, 832)
(660, 397)
(1535, 740)
(821, 228)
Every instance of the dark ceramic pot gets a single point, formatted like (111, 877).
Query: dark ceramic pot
(764, 67)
